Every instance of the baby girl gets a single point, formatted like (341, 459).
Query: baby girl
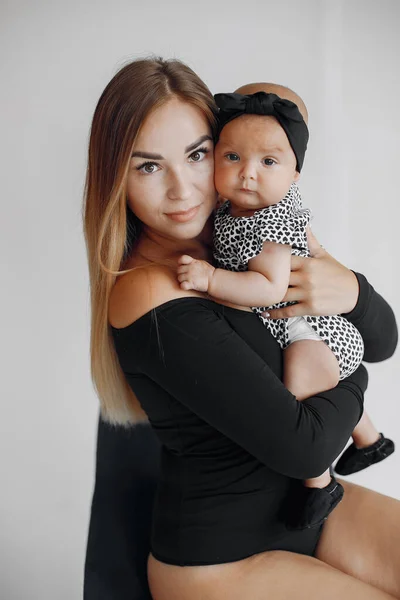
(263, 136)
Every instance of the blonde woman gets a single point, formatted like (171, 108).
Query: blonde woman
(235, 444)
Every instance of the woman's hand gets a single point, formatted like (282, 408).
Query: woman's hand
(320, 285)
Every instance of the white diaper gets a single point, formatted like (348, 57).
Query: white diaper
(299, 329)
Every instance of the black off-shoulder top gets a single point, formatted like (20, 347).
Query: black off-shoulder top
(235, 443)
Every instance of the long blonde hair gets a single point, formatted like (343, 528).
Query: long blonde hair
(110, 227)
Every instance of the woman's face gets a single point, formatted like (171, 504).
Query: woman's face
(171, 176)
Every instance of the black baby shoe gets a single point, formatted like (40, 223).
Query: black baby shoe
(312, 506)
(356, 459)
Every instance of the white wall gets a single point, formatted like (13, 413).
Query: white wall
(56, 58)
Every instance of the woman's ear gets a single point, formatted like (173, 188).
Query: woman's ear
(296, 176)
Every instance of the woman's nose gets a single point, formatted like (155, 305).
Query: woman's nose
(179, 187)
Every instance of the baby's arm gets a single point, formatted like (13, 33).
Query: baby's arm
(264, 284)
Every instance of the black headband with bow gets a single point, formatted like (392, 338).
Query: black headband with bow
(286, 113)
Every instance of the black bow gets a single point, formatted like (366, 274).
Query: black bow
(286, 112)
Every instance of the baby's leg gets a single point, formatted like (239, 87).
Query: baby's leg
(310, 367)
(368, 448)
(365, 433)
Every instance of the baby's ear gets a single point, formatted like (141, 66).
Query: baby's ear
(296, 176)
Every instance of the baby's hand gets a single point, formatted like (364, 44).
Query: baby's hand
(194, 274)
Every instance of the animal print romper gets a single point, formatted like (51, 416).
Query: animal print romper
(238, 239)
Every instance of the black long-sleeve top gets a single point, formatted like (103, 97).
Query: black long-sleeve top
(233, 437)
(128, 471)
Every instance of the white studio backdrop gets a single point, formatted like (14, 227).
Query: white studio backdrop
(56, 58)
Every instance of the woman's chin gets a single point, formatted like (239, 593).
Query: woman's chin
(193, 229)
(205, 223)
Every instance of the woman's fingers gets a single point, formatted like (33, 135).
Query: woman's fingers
(296, 278)
(294, 294)
(296, 262)
(313, 244)
(299, 309)
(294, 310)
(319, 285)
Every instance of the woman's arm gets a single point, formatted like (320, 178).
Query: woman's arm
(376, 322)
(192, 352)
(321, 285)
(265, 282)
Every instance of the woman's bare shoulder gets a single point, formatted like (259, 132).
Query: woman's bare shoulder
(142, 289)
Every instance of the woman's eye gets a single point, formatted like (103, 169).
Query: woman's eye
(198, 155)
(269, 162)
(232, 157)
(148, 168)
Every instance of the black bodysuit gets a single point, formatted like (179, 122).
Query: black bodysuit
(235, 442)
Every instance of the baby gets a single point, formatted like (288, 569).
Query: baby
(263, 137)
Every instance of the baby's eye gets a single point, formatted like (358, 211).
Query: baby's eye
(232, 157)
(269, 162)
(148, 168)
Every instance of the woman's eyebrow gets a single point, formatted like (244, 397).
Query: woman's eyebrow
(147, 155)
(201, 139)
(153, 156)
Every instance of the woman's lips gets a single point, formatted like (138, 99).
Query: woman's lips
(184, 216)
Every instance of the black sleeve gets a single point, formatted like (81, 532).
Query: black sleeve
(376, 322)
(118, 544)
(191, 351)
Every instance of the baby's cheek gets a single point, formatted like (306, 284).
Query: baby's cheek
(221, 179)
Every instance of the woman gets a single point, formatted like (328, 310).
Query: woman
(235, 442)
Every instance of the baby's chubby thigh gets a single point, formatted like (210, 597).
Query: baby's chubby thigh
(310, 366)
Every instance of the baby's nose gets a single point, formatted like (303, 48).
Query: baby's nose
(247, 171)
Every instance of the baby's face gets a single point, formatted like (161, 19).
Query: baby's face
(254, 162)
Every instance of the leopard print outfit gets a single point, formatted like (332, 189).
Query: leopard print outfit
(239, 239)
